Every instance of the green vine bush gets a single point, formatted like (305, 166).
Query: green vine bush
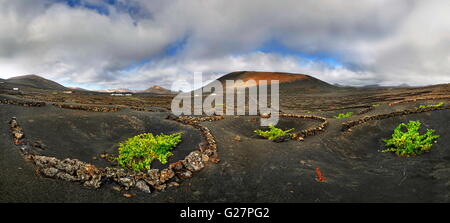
(273, 132)
(407, 141)
(431, 106)
(342, 115)
(137, 153)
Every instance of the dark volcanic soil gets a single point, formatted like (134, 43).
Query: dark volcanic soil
(252, 169)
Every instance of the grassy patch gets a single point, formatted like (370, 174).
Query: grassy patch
(343, 115)
(407, 141)
(273, 132)
(137, 153)
(432, 106)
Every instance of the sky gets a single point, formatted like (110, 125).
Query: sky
(135, 44)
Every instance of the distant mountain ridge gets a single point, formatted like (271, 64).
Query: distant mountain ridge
(78, 89)
(118, 90)
(156, 89)
(290, 83)
(387, 86)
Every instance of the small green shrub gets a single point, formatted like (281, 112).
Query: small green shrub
(343, 115)
(273, 132)
(410, 142)
(432, 106)
(137, 153)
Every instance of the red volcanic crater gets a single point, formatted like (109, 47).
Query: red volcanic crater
(289, 82)
(269, 76)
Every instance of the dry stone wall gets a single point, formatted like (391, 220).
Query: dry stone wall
(420, 98)
(91, 108)
(311, 131)
(74, 170)
(22, 103)
(346, 126)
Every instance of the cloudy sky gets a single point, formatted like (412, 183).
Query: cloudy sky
(101, 44)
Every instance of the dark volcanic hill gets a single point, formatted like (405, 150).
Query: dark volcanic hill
(35, 81)
(289, 82)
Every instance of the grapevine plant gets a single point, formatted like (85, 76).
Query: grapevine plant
(273, 132)
(137, 153)
(431, 106)
(342, 115)
(410, 142)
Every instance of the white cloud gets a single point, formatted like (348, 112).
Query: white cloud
(384, 42)
(76, 43)
(166, 71)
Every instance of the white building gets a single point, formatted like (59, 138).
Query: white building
(121, 94)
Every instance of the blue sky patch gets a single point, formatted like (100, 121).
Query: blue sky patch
(274, 46)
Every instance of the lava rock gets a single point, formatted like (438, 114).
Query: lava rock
(166, 175)
(193, 161)
(43, 161)
(153, 174)
(67, 177)
(126, 181)
(26, 149)
(263, 115)
(13, 123)
(214, 160)
(142, 185)
(18, 135)
(95, 181)
(184, 174)
(176, 165)
(49, 172)
(282, 138)
(173, 184)
(160, 187)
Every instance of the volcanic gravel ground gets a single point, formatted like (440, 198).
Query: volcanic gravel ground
(251, 169)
